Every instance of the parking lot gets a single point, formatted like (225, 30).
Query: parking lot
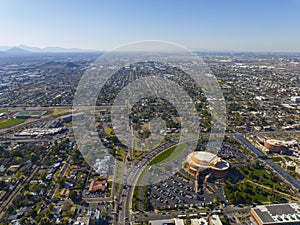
(177, 192)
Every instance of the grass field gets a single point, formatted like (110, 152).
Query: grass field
(10, 122)
(2, 110)
(168, 155)
(60, 111)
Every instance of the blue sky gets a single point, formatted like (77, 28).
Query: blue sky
(253, 25)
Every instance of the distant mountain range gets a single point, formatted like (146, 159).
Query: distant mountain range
(24, 49)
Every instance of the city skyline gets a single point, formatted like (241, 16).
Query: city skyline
(98, 25)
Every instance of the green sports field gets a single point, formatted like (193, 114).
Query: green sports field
(10, 122)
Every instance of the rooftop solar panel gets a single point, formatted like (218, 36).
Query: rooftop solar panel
(280, 209)
(264, 216)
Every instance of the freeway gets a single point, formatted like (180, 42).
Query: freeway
(124, 199)
(284, 174)
(23, 140)
(249, 145)
(271, 164)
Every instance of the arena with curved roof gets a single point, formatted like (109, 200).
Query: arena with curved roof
(205, 162)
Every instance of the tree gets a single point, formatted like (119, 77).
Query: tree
(61, 181)
(66, 206)
(33, 213)
(2, 184)
(50, 207)
(45, 221)
(73, 194)
(66, 220)
(34, 158)
(104, 213)
(23, 220)
(18, 160)
(34, 187)
(216, 200)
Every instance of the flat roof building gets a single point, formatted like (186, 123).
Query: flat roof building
(167, 222)
(277, 214)
(162, 222)
(295, 99)
(215, 220)
(200, 221)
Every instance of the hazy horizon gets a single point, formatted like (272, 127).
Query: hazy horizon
(256, 26)
(74, 49)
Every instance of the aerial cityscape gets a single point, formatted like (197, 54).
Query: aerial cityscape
(208, 133)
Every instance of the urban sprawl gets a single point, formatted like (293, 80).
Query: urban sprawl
(254, 177)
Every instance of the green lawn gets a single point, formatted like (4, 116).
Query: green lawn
(2, 110)
(118, 178)
(281, 159)
(260, 175)
(247, 193)
(277, 159)
(287, 158)
(168, 155)
(10, 122)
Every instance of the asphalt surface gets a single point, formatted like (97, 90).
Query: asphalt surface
(178, 192)
(131, 176)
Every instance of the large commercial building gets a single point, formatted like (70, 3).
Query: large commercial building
(277, 214)
(201, 162)
(295, 99)
(167, 222)
(276, 146)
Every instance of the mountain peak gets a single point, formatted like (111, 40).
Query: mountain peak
(24, 49)
(17, 50)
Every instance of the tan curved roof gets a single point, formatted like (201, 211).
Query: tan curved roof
(207, 160)
(275, 142)
(204, 156)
